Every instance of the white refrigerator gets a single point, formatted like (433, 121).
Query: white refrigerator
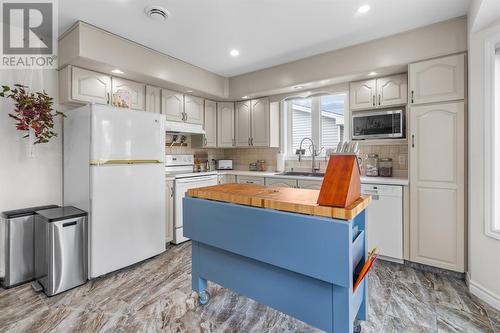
(114, 169)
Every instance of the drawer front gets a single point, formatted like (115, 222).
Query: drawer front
(310, 184)
(281, 182)
(250, 180)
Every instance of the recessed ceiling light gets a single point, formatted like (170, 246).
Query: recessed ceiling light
(117, 71)
(372, 73)
(298, 87)
(157, 13)
(245, 97)
(364, 9)
(189, 91)
(234, 53)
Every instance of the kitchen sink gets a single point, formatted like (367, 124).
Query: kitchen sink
(302, 174)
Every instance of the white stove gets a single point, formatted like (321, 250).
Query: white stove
(181, 168)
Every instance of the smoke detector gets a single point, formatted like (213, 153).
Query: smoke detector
(157, 13)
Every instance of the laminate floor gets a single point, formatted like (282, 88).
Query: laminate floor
(155, 296)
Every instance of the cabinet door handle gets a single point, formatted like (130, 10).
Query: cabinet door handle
(412, 93)
(172, 192)
(108, 98)
(413, 140)
(249, 141)
(373, 100)
(378, 99)
(205, 141)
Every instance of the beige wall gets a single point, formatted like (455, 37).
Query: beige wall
(484, 258)
(26, 182)
(427, 42)
(90, 47)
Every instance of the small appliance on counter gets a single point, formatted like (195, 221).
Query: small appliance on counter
(224, 164)
(16, 246)
(60, 249)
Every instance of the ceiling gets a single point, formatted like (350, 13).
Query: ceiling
(266, 32)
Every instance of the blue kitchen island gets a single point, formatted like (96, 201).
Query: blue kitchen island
(301, 264)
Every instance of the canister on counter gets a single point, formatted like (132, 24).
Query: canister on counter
(261, 165)
(371, 165)
(385, 167)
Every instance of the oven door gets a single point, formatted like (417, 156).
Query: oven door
(181, 187)
(378, 125)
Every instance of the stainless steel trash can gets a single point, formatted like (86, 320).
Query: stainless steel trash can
(16, 246)
(60, 249)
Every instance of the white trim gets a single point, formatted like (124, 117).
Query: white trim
(489, 132)
(315, 120)
(484, 294)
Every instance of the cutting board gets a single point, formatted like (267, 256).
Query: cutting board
(302, 201)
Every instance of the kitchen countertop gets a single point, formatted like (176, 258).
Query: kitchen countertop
(401, 181)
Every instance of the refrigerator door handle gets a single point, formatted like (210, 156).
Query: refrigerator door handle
(114, 162)
(195, 179)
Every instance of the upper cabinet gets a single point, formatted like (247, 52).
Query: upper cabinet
(172, 105)
(438, 80)
(242, 116)
(193, 109)
(136, 90)
(225, 124)
(81, 85)
(210, 124)
(260, 122)
(253, 124)
(362, 94)
(379, 93)
(153, 99)
(392, 90)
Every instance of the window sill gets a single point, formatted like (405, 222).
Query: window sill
(493, 233)
(304, 158)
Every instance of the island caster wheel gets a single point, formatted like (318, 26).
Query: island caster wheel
(203, 297)
(357, 326)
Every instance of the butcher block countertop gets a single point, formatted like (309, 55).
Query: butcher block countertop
(302, 201)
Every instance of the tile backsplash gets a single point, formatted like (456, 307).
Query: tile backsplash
(242, 157)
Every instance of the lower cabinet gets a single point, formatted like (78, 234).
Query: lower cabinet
(169, 206)
(250, 180)
(280, 182)
(226, 179)
(309, 184)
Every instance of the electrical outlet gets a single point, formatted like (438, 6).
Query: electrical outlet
(402, 160)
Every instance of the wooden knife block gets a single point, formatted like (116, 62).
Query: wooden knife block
(342, 182)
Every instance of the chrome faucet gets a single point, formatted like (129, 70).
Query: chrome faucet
(314, 153)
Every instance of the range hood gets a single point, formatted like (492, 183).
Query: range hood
(183, 128)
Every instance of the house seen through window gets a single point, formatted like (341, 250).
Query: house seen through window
(320, 118)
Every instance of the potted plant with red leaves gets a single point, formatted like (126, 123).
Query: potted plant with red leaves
(33, 112)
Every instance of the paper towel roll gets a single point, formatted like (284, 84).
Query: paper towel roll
(280, 162)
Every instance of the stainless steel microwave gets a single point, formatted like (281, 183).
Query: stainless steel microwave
(387, 124)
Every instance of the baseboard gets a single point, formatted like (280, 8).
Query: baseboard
(484, 294)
